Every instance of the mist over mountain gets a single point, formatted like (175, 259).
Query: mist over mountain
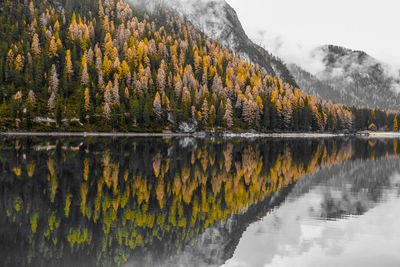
(350, 77)
(218, 20)
(337, 73)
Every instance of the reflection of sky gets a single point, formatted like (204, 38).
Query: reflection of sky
(292, 236)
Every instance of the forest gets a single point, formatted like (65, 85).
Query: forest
(105, 66)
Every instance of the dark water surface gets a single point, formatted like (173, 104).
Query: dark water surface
(199, 202)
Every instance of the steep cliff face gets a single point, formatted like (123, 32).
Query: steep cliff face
(350, 77)
(219, 21)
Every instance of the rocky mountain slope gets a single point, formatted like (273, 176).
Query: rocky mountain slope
(350, 77)
(218, 20)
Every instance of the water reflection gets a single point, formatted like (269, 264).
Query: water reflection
(169, 202)
(346, 215)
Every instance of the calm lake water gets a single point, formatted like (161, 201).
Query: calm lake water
(199, 202)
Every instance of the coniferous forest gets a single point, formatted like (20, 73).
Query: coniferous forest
(105, 66)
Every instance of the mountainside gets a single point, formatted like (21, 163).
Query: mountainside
(219, 21)
(350, 77)
(107, 66)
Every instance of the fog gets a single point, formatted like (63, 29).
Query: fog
(367, 25)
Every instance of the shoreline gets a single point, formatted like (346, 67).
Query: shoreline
(203, 134)
(93, 134)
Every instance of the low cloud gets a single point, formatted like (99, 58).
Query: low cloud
(302, 55)
(310, 57)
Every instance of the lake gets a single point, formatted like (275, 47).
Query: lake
(199, 202)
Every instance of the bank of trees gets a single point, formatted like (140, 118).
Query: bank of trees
(112, 67)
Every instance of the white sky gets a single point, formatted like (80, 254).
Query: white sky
(369, 25)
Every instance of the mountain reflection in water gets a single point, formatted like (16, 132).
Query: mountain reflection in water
(191, 202)
(347, 215)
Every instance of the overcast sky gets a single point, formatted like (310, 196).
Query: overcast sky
(369, 25)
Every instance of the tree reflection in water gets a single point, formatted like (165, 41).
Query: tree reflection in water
(104, 202)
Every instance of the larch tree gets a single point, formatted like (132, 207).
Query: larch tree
(85, 74)
(287, 111)
(106, 66)
(212, 116)
(178, 85)
(19, 62)
(125, 70)
(248, 112)
(108, 98)
(54, 79)
(185, 94)
(126, 93)
(10, 57)
(53, 87)
(161, 77)
(157, 108)
(18, 96)
(204, 113)
(89, 56)
(53, 48)
(87, 99)
(107, 111)
(115, 91)
(217, 85)
(68, 64)
(228, 114)
(31, 8)
(36, 50)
